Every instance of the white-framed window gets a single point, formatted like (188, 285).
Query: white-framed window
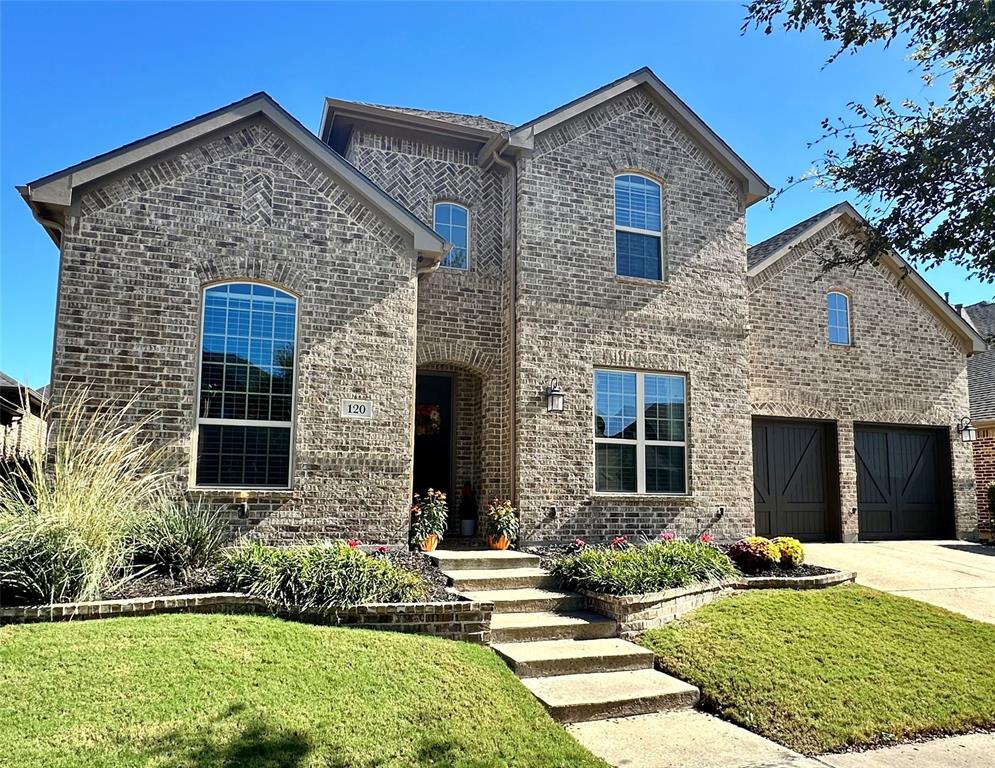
(838, 311)
(638, 227)
(245, 402)
(452, 221)
(640, 432)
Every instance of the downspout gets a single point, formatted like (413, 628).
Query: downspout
(513, 173)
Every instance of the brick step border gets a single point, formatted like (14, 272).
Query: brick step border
(469, 621)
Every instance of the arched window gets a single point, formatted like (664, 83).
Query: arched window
(452, 222)
(638, 227)
(246, 399)
(838, 307)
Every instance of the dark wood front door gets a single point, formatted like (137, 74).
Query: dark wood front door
(433, 433)
(902, 482)
(793, 480)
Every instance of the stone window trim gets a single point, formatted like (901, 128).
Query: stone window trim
(253, 491)
(641, 442)
(842, 345)
(469, 230)
(616, 173)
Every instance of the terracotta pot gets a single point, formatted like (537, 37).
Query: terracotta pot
(429, 543)
(498, 542)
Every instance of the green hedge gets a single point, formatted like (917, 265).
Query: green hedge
(637, 570)
(318, 576)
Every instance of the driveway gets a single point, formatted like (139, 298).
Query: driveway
(956, 575)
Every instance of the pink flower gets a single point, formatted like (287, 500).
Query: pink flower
(382, 549)
(619, 541)
(579, 543)
(706, 538)
(667, 536)
(353, 543)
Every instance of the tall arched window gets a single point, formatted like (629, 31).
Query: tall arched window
(638, 227)
(246, 398)
(452, 222)
(838, 307)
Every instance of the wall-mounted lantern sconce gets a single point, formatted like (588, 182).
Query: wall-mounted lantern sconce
(241, 500)
(967, 432)
(554, 397)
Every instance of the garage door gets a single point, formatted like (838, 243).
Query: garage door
(792, 490)
(902, 482)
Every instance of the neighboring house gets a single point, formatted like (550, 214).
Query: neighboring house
(22, 417)
(981, 373)
(324, 325)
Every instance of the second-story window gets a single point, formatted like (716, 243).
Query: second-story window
(838, 307)
(452, 221)
(638, 227)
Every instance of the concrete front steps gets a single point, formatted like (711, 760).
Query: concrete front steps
(568, 657)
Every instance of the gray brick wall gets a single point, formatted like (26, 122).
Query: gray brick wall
(250, 205)
(576, 315)
(904, 365)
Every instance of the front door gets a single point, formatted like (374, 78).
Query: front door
(434, 433)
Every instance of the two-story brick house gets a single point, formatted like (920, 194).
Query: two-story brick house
(325, 324)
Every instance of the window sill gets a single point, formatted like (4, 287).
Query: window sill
(644, 497)
(644, 281)
(249, 493)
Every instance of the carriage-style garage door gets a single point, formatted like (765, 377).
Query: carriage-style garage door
(794, 478)
(903, 482)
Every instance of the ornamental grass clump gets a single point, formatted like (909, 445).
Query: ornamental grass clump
(179, 538)
(317, 577)
(66, 515)
(754, 554)
(633, 570)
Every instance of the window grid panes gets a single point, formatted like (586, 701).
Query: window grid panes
(640, 432)
(839, 318)
(638, 227)
(245, 403)
(453, 223)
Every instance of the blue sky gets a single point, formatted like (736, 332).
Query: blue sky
(83, 78)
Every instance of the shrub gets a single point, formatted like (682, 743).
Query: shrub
(318, 576)
(501, 520)
(179, 538)
(792, 553)
(754, 553)
(40, 564)
(429, 516)
(78, 501)
(650, 568)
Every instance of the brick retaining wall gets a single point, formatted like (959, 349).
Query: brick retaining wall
(456, 620)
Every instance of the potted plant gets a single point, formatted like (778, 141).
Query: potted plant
(468, 511)
(429, 518)
(501, 523)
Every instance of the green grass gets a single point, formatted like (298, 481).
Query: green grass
(825, 669)
(202, 691)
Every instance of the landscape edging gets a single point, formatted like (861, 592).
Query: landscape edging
(454, 620)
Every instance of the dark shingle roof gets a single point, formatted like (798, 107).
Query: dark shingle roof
(981, 368)
(757, 253)
(468, 121)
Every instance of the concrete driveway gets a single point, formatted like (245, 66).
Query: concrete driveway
(956, 575)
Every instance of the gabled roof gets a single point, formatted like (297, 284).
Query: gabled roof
(755, 187)
(456, 118)
(50, 196)
(981, 368)
(764, 255)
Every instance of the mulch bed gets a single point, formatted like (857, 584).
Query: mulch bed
(795, 573)
(435, 581)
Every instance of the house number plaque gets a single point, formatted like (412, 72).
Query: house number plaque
(357, 409)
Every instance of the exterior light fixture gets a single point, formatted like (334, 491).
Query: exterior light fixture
(967, 432)
(554, 397)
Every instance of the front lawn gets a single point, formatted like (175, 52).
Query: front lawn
(195, 691)
(822, 670)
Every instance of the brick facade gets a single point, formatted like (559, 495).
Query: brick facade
(903, 366)
(984, 471)
(250, 205)
(575, 314)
